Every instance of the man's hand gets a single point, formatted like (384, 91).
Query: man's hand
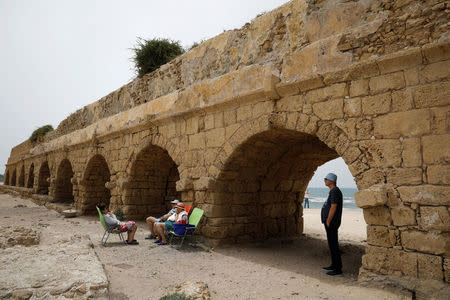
(331, 214)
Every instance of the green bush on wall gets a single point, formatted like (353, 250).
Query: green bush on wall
(40, 132)
(149, 55)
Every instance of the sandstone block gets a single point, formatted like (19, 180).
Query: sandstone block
(243, 113)
(434, 218)
(437, 51)
(337, 90)
(364, 69)
(438, 174)
(384, 83)
(400, 61)
(291, 103)
(379, 104)
(184, 184)
(425, 194)
(218, 120)
(378, 215)
(329, 110)
(374, 196)
(229, 117)
(403, 216)
(390, 261)
(378, 236)
(382, 153)
(359, 88)
(352, 107)
(429, 267)
(447, 269)
(191, 125)
(215, 137)
(216, 211)
(408, 123)
(402, 100)
(310, 83)
(436, 149)
(431, 95)
(404, 176)
(412, 76)
(411, 155)
(440, 117)
(209, 121)
(432, 243)
(436, 71)
(369, 178)
(197, 141)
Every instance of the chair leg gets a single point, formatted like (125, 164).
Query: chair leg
(182, 240)
(171, 238)
(107, 236)
(122, 238)
(101, 241)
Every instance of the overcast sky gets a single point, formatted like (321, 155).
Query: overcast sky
(58, 56)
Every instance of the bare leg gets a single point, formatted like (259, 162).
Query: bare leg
(151, 224)
(131, 233)
(160, 227)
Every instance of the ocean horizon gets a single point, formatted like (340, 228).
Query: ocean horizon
(318, 195)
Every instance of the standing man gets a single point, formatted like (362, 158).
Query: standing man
(306, 200)
(331, 217)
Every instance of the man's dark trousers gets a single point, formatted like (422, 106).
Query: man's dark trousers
(332, 237)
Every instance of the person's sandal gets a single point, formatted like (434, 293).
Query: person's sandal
(157, 241)
(162, 243)
(133, 242)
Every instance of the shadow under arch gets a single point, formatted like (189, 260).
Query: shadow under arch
(13, 178)
(260, 188)
(151, 184)
(21, 181)
(92, 189)
(30, 181)
(6, 182)
(64, 186)
(44, 179)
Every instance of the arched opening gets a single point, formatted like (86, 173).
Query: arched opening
(22, 177)
(260, 189)
(13, 178)
(7, 178)
(151, 185)
(94, 191)
(30, 181)
(44, 179)
(64, 187)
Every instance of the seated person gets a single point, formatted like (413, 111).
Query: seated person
(112, 222)
(180, 216)
(152, 220)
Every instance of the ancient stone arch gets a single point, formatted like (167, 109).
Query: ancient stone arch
(92, 189)
(14, 178)
(30, 181)
(63, 184)
(44, 179)
(151, 183)
(21, 179)
(7, 178)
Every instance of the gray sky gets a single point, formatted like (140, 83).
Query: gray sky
(58, 56)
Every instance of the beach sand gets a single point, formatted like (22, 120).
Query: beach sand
(274, 269)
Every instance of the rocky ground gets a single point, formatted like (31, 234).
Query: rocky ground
(62, 257)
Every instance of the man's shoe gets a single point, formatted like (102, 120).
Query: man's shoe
(334, 273)
(330, 268)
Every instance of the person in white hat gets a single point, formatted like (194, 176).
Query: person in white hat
(331, 215)
(152, 220)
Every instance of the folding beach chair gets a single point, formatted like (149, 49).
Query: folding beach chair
(187, 230)
(108, 231)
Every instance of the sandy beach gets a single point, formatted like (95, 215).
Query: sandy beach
(274, 269)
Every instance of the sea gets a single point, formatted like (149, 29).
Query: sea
(318, 196)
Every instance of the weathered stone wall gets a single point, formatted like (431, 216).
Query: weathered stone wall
(244, 144)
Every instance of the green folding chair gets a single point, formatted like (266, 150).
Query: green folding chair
(108, 231)
(194, 219)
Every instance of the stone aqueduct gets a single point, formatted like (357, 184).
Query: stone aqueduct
(238, 125)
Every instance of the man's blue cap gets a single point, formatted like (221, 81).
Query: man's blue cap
(332, 177)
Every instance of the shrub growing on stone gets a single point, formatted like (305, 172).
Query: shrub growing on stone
(149, 55)
(175, 296)
(41, 131)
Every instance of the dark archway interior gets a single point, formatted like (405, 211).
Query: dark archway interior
(64, 187)
(30, 181)
(13, 178)
(261, 187)
(22, 177)
(44, 179)
(7, 178)
(94, 191)
(152, 183)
